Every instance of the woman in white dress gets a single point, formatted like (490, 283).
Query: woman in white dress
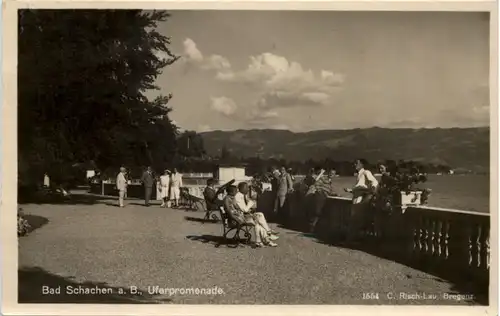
(175, 187)
(165, 188)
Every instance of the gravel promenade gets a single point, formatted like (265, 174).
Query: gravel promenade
(94, 244)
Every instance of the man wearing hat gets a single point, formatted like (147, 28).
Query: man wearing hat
(147, 180)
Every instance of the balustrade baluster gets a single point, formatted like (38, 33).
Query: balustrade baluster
(430, 236)
(419, 232)
(437, 251)
(475, 246)
(487, 244)
(484, 241)
(423, 236)
(445, 239)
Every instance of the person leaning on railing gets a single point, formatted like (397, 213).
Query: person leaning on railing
(362, 194)
(318, 192)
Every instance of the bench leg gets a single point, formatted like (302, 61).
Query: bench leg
(247, 234)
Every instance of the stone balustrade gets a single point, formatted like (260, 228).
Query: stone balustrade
(458, 239)
(445, 239)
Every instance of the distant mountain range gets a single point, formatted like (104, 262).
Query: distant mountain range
(467, 148)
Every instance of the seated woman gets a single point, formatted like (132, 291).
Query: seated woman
(232, 207)
(247, 206)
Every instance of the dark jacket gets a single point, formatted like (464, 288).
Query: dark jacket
(147, 179)
(210, 196)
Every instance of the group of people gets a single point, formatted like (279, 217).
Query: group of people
(241, 209)
(318, 185)
(169, 185)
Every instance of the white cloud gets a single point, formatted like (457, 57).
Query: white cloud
(191, 51)
(216, 62)
(194, 56)
(250, 114)
(284, 99)
(481, 110)
(204, 128)
(223, 105)
(275, 81)
(284, 83)
(255, 115)
(280, 127)
(268, 114)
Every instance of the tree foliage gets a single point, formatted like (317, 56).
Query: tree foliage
(190, 145)
(82, 79)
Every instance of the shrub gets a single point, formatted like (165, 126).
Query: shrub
(23, 226)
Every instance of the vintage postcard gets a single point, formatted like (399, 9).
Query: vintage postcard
(275, 158)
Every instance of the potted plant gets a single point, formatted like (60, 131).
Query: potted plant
(399, 187)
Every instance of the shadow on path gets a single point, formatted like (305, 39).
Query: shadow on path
(35, 222)
(32, 281)
(216, 240)
(42, 197)
(200, 220)
(462, 283)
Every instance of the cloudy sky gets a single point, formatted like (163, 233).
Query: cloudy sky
(327, 70)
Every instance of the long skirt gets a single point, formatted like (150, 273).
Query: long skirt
(164, 193)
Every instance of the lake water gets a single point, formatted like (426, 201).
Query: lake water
(463, 192)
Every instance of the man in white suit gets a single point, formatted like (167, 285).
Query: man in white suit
(121, 186)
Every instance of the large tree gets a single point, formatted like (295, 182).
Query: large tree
(82, 78)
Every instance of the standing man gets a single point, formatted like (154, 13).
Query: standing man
(362, 193)
(46, 180)
(147, 181)
(275, 176)
(121, 186)
(285, 186)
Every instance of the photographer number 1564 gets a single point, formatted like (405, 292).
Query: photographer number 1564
(370, 296)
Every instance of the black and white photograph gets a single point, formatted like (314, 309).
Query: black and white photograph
(254, 157)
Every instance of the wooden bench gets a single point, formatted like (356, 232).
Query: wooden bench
(210, 212)
(230, 225)
(191, 202)
(210, 208)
